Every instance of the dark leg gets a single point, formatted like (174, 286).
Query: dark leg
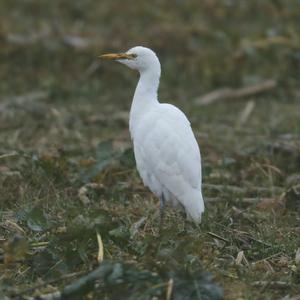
(162, 210)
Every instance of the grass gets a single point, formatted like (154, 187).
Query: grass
(64, 126)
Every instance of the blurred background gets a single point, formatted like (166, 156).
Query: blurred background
(232, 66)
(52, 47)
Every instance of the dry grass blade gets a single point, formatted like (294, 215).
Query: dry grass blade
(241, 258)
(297, 257)
(288, 297)
(272, 284)
(240, 190)
(218, 237)
(275, 40)
(136, 226)
(9, 155)
(28, 39)
(169, 289)
(244, 200)
(14, 226)
(93, 67)
(229, 93)
(246, 112)
(100, 255)
(267, 258)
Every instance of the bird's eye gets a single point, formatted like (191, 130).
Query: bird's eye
(133, 55)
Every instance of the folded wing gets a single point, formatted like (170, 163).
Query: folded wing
(167, 154)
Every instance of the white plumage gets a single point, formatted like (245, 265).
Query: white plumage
(166, 151)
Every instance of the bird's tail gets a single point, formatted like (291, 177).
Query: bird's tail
(194, 205)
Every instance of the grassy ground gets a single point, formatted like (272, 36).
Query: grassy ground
(66, 165)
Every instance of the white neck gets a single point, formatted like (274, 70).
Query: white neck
(147, 86)
(145, 94)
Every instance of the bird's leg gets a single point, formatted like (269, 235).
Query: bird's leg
(162, 205)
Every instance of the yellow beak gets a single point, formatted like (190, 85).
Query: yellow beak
(116, 56)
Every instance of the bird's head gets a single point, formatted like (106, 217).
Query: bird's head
(137, 58)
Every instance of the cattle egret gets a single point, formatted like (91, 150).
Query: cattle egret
(166, 151)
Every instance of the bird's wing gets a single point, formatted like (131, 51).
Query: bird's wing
(166, 147)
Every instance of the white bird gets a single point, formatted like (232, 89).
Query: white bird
(166, 152)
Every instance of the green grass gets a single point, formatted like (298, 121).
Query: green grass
(66, 127)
